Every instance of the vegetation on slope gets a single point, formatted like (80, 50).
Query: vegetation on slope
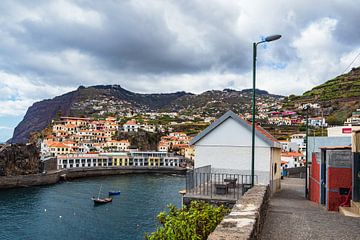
(338, 98)
(195, 222)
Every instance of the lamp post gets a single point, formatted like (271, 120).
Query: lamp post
(307, 152)
(267, 39)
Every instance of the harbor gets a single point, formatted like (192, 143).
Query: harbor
(66, 211)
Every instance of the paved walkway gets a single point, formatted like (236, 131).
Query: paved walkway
(291, 216)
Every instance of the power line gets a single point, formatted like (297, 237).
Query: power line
(351, 63)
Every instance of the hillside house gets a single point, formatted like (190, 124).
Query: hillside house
(292, 159)
(131, 126)
(226, 146)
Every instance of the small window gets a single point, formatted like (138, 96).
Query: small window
(275, 168)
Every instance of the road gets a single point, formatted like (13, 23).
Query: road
(291, 216)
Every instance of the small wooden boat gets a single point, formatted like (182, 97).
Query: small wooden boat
(98, 200)
(101, 200)
(114, 193)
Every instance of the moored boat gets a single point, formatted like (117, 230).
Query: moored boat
(114, 193)
(98, 200)
(101, 200)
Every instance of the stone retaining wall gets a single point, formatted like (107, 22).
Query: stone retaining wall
(29, 180)
(54, 177)
(246, 218)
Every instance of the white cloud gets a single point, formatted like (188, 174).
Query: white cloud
(52, 47)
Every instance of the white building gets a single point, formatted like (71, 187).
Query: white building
(317, 122)
(341, 131)
(226, 146)
(292, 159)
(287, 146)
(119, 159)
(354, 119)
(131, 126)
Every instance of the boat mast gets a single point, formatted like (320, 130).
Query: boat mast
(99, 191)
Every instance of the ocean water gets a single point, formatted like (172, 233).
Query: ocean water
(65, 211)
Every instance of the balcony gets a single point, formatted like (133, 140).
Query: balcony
(203, 184)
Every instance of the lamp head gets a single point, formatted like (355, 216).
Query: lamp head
(272, 38)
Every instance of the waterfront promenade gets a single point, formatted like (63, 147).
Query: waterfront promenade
(291, 216)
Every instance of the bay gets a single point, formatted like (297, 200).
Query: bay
(65, 211)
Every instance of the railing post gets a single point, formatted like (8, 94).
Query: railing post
(211, 190)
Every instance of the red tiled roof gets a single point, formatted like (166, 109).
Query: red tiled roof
(292, 154)
(263, 131)
(58, 144)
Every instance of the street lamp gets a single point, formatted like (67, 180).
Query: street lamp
(307, 152)
(267, 39)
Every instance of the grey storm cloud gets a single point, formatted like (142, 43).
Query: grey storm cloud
(134, 40)
(48, 48)
(161, 46)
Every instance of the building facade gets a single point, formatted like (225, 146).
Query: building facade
(226, 146)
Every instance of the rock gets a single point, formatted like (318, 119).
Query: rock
(19, 159)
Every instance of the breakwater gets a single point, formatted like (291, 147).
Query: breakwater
(68, 174)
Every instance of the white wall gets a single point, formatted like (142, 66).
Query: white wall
(229, 147)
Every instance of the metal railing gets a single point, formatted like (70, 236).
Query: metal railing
(201, 182)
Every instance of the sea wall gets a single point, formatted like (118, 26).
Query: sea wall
(56, 176)
(29, 180)
(246, 218)
(93, 172)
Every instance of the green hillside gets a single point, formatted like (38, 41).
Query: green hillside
(338, 97)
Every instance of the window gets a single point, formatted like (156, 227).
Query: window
(275, 168)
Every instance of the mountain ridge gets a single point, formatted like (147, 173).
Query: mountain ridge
(99, 100)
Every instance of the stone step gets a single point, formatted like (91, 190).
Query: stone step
(356, 206)
(349, 212)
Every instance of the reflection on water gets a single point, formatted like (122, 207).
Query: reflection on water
(65, 211)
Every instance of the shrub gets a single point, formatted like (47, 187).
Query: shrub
(195, 222)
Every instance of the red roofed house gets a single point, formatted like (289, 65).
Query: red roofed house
(131, 126)
(293, 159)
(226, 146)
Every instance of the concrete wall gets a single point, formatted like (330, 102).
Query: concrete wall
(54, 177)
(29, 180)
(246, 218)
(276, 170)
(236, 159)
(229, 147)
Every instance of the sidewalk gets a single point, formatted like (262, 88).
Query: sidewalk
(291, 216)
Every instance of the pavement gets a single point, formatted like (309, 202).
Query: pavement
(291, 216)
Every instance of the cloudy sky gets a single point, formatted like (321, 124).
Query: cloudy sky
(50, 47)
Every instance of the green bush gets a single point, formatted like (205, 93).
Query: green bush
(193, 223)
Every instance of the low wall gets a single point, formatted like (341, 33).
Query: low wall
(246, 218)
(93, 172)
(56, 176)
(29, 180)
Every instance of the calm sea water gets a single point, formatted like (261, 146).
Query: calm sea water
(65, 211)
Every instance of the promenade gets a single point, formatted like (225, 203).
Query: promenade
(291, 216)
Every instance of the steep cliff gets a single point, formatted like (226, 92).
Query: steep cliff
(19, 159)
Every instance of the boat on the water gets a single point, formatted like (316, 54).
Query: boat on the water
(114, 193)
(101, 200)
